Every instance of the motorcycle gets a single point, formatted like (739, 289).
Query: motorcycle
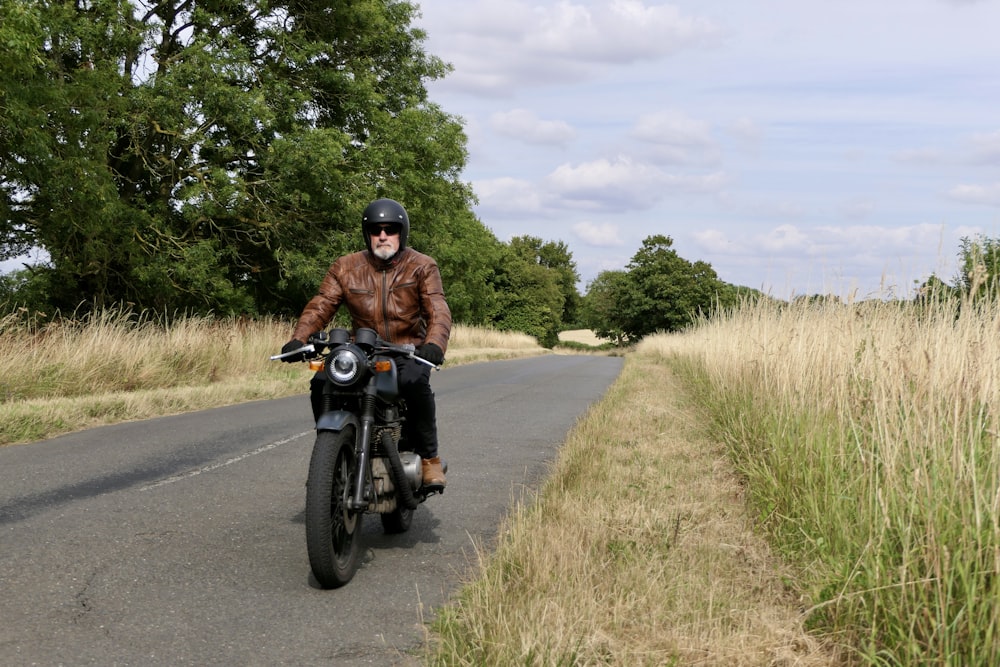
(358, 463)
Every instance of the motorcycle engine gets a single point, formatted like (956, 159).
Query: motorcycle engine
(385, 487)
(412, 468)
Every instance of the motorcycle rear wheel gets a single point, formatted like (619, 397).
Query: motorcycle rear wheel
(333, 532)
(397, 521)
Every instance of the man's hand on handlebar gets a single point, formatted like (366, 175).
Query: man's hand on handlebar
(431, 353)
(291, 346)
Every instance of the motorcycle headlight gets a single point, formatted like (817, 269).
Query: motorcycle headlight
(346, 366)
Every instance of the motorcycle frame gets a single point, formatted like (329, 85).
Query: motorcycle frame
(380, 385)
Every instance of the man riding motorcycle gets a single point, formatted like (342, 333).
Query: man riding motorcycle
(396, 291)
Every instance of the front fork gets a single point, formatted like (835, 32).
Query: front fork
(364, 447)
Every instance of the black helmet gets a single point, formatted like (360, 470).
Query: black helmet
(382, 211)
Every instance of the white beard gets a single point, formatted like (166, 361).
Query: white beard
(383, 253)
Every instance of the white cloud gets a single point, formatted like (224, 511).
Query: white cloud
(525, 126)
(599, 186)
(592, 265)
(762, 208)
(501, 45)
(921, 156)
(827, 241)
(783, 239)
(675, 138)
(986, 148)
(987, 195)
(864, 259)
(748, 134)
(980, 149)
(602, 236)
(624, 184)
(857, 208)
(716, 242)
(508, 195)
(672, 127)
(869, 114)
(611, 186)
(621, 31)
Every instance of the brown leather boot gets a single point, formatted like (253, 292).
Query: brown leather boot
(433, 473)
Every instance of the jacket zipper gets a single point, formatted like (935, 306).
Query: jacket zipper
(385, 303)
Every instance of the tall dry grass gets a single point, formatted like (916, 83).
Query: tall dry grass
(868, 437)
(469, 344)
(118, 365)
(635, 551)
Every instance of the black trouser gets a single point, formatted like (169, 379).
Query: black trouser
(420, 427)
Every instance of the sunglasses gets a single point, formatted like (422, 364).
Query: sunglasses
(390, 230)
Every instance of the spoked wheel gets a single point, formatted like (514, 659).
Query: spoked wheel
(333, 532)
(398, 520)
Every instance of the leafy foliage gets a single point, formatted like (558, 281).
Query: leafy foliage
(658, 291)
(529, 298)
(977, 280)
(979, 272)
(556, 257)
(215, 156)
(599, 311)
(934, 290)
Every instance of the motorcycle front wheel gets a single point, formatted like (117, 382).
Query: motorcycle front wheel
(333, 532)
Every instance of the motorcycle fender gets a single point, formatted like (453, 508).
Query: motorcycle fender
(337, 420)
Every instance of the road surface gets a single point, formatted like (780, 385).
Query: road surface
(180, 540)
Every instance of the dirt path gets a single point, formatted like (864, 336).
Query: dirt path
(741, 612)
(639, 550)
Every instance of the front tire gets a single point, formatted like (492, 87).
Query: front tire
(333, 532)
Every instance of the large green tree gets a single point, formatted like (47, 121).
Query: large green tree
(555, 257)
(529, 298)
(600, 310)
(658, 291)
(665, 291)
(215, 155)
(468, 255)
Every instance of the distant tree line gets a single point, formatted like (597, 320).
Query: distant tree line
(977, 278)
(658, 291)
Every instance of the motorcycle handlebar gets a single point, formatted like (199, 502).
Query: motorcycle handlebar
(407, 349)
(304, 350)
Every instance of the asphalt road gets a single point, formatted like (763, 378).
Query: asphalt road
(180, 540)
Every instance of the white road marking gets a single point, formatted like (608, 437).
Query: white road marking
(216, 466)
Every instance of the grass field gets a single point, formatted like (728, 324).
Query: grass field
(582, 336)
(862, 441)
(638, 550)
(787, 485)
(119, 366)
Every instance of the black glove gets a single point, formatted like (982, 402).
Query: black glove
(431, 353)
(291, 346)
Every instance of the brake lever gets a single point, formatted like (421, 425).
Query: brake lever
(413, 355)
(305, 349)
(410, 350)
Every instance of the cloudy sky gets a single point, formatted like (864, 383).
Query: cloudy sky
(799, 147)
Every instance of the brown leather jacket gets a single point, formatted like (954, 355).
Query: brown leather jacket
(402, 299)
